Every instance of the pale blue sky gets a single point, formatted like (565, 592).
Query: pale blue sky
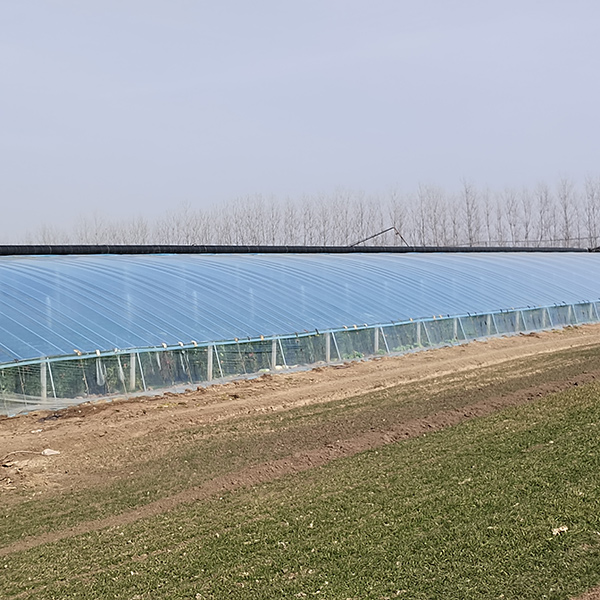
(128, 107)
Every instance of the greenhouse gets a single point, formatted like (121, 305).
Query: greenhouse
(77, 327)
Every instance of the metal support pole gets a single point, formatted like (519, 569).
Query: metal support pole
(132, 371)
(462, 328)
(141, 371)
(242, 361)
(328, 347)
(419, 333)
(426, 334)
(273, 353)
(455, 328)
(544, 318)
(488, 322)
(387, 348)
(572, 315)
(218, 361)
(282, 353)
(209, 363)
(336, 346)
(549, 317)
(495, 324)
(43, 380)
(517, 321)
(121, 373)
(376, 340)
(186, 360)
(51, 380)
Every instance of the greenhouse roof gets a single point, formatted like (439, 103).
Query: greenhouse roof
(55, 305)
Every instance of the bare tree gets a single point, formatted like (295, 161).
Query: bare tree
(428, 216)
(499, 232)
(592, 210)
(456, 221)
(526, 215)
(510, 203)
(565, 194)
(291, 225)
(470, 207)
(486, 204)
(546, 214)
(396, 213)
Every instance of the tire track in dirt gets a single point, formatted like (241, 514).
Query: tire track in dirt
(303, 461)
(96, 434)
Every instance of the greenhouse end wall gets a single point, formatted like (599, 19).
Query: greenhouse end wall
(55, 383)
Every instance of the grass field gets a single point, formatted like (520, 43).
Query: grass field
(467, 512)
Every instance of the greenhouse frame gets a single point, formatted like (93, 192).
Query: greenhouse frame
(76, 327)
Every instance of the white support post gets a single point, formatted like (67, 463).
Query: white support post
(376, 340)
(44, 379)
(488, 322)
(336, 346)
(462, 328)
(419, 333)
(141, 371)
(495, 324)
(51, 380)
(328, 347)
(121, 374)
(549, 317)
(218, 361)
(517, 321)
(387, 348)
(426, 334)
(282, 352)
(273, 353)
(132, 371)
(209, 363)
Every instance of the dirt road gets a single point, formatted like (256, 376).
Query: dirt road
(187, 447)
(95, 438)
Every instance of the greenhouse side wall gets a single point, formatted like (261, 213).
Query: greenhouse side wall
(55, 383)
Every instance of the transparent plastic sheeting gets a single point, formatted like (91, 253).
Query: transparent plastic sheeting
(58, 383)
(60, 305)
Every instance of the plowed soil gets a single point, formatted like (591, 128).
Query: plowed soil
(90, 436)
(277, 424)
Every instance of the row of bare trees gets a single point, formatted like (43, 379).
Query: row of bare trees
(562, 214)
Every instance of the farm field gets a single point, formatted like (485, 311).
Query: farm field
(465, 472)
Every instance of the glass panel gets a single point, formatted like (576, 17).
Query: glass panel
(560, 315)
(443, 331)
(584, 312)
(476, 326)
(535, 319)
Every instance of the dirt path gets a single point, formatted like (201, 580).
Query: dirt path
(95, 439)
(300, 461)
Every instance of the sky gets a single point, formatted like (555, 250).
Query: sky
(127, 107)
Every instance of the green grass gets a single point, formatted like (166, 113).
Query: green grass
(198, 454)
(464, 513)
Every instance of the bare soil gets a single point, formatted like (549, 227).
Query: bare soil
(96, 440)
